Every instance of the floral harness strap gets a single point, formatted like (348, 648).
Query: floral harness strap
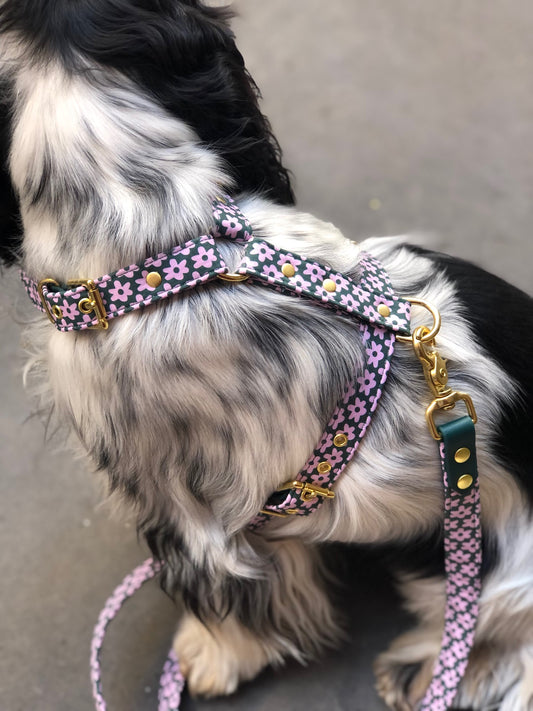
(382, 316)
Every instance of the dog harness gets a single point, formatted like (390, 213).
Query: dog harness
(382, 318)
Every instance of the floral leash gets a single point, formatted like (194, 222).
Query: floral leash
(172, 682)
(383, 317)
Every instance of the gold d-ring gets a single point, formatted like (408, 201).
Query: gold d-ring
(430, 335)
(233, 277)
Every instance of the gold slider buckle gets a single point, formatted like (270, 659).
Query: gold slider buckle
(307, 492)
(92, 303)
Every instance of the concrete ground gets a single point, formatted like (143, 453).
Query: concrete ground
(394, 117)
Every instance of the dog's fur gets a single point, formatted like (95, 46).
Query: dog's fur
(121, 120)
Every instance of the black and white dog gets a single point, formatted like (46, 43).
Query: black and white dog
(121, 122)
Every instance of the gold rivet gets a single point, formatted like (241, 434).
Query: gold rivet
(340, 440)
(153, 279)
(323, 468)
(383, 310)
(329, 285)
(465, 481)
(288, 270)
(462, 455)
(56, 310)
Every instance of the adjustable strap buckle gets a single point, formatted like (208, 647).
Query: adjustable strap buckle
(307, 492)
(92, 303)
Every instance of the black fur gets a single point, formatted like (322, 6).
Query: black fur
(10, 229)
(182, 53)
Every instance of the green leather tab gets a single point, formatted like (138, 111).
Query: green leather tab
(460, 462)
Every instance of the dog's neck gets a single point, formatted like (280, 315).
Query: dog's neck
(104, 175)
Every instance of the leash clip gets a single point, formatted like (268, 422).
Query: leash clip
(435, 371)
(436, 374)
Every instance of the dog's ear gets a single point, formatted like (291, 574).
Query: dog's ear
(10, 223)
(184, 54)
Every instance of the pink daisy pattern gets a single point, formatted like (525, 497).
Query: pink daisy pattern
(172, 681)
(342, 436)
(188, 265)
(463, 557)
(327, 287)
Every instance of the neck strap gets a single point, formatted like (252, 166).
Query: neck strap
(92, 303)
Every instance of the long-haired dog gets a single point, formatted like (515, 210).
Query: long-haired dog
(122, 120)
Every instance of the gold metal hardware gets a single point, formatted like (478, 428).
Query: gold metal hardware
(93, 303)
(436, 372)
(234, 278)
(329, 285)
(57, 311)
(432, 332)
(153, 279)
(51, 315)
(465, 481)
(307, 491)
(323, 468)
(462, 455)
(383, 310)
(448, 403)
(288, 269)
(340, 440)
(273, 513)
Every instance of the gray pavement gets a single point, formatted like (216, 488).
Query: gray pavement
(394, 117)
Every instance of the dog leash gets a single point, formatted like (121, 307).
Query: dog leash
(85, 304)
(462, 523)
(172, 682)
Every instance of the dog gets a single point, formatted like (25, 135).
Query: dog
(122, 122)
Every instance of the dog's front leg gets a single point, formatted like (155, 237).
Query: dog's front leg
(282, 612)
(404, 670)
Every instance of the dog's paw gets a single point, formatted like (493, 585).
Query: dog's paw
(216, 659)
(404, 671)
